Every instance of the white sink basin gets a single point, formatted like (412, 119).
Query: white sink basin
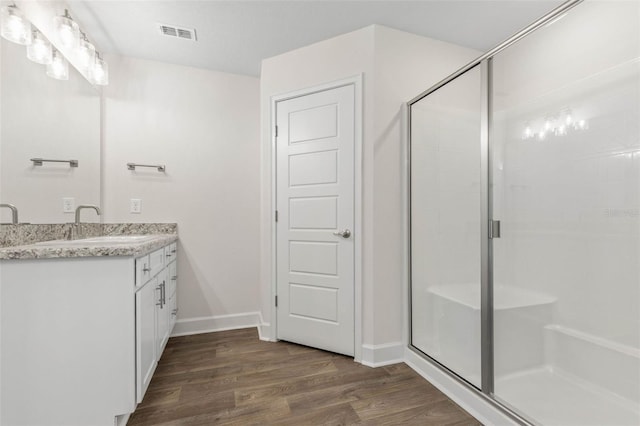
(104, 240)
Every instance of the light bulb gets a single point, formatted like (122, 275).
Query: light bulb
(547, 125)
(561, 130)
(68, 30)
(86, 53)
(542, 135)
(528, 133)
(39, 51)
(582, 124)
(99, 72)
(59, 67)
(14, 26)
(568, 120)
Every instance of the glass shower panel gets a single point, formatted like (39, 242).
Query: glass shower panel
(566, 187)
(445, 225)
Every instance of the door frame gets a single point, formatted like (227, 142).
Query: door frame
(356, 82)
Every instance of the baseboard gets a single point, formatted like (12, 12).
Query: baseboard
(122, 420)
(264, 332)
(185, 327)
(485, 412)
(381, 355)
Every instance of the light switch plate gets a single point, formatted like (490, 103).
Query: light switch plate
(68, 205)
(136, 206)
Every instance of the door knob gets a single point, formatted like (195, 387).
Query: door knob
(344, 234)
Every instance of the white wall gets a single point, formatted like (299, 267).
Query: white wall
(396, 66)
(203, 126)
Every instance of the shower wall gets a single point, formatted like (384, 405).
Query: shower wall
(570, 202)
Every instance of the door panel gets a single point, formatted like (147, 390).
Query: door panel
(445, 225)
(314, 123)
(315, 267)
(313, 169)
(313, 213)
(313, 302)
(313, 257)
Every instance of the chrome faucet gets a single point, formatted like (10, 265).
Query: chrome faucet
(14, 212)
(87, 206)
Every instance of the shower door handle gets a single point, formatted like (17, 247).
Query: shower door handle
(344, 234)
(494, 229)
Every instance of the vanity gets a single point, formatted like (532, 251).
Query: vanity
(84, 323)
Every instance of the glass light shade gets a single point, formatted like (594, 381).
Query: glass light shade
(68, 31)
(39, 51)
(59, 67)
(86, 54)
(99, 72)
(14, 26)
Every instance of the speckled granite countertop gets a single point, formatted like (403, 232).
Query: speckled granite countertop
(76, 248)
(105, 240)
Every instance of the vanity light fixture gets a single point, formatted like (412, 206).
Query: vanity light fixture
(40, 51)
(59, 67)
(99, 72)
(14, 26)
(67, 29)
(86, 52)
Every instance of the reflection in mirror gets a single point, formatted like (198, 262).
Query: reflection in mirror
(41, 117)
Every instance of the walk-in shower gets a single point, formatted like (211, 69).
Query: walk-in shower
(525, 219)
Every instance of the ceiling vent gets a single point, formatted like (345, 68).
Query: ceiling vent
(179, 32)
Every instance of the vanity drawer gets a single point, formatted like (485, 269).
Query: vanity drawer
(171, 252)
(156, 261)
(143, 270)
(148, 266)
(172, 279)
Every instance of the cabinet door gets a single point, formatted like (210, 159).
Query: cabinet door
(163, 312)
(146, 352)
(173, 295)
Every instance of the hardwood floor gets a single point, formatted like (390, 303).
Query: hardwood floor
(231, 377)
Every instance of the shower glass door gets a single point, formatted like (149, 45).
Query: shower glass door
(445, 225)
(566, 188)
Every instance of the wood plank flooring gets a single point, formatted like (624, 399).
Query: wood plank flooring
(232, 377)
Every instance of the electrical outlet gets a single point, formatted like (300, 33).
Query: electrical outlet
(68, 205)
(136, 205)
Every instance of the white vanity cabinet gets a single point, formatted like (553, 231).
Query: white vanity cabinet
(156, 281)
(81, 335)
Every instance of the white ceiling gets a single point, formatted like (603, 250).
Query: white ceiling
(234, 36)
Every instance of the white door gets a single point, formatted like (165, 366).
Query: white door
(315, 203)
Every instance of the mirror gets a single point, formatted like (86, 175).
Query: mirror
(41, 117)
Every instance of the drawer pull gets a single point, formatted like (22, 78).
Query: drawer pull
(173, 251)
(173, 278)
(174, 312)
(145, 269)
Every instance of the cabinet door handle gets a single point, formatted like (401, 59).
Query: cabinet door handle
(173, 251)
(173, 278)
(161, 298)
(145, 269)
(164, 292)
(174, 312)
(168, 254)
